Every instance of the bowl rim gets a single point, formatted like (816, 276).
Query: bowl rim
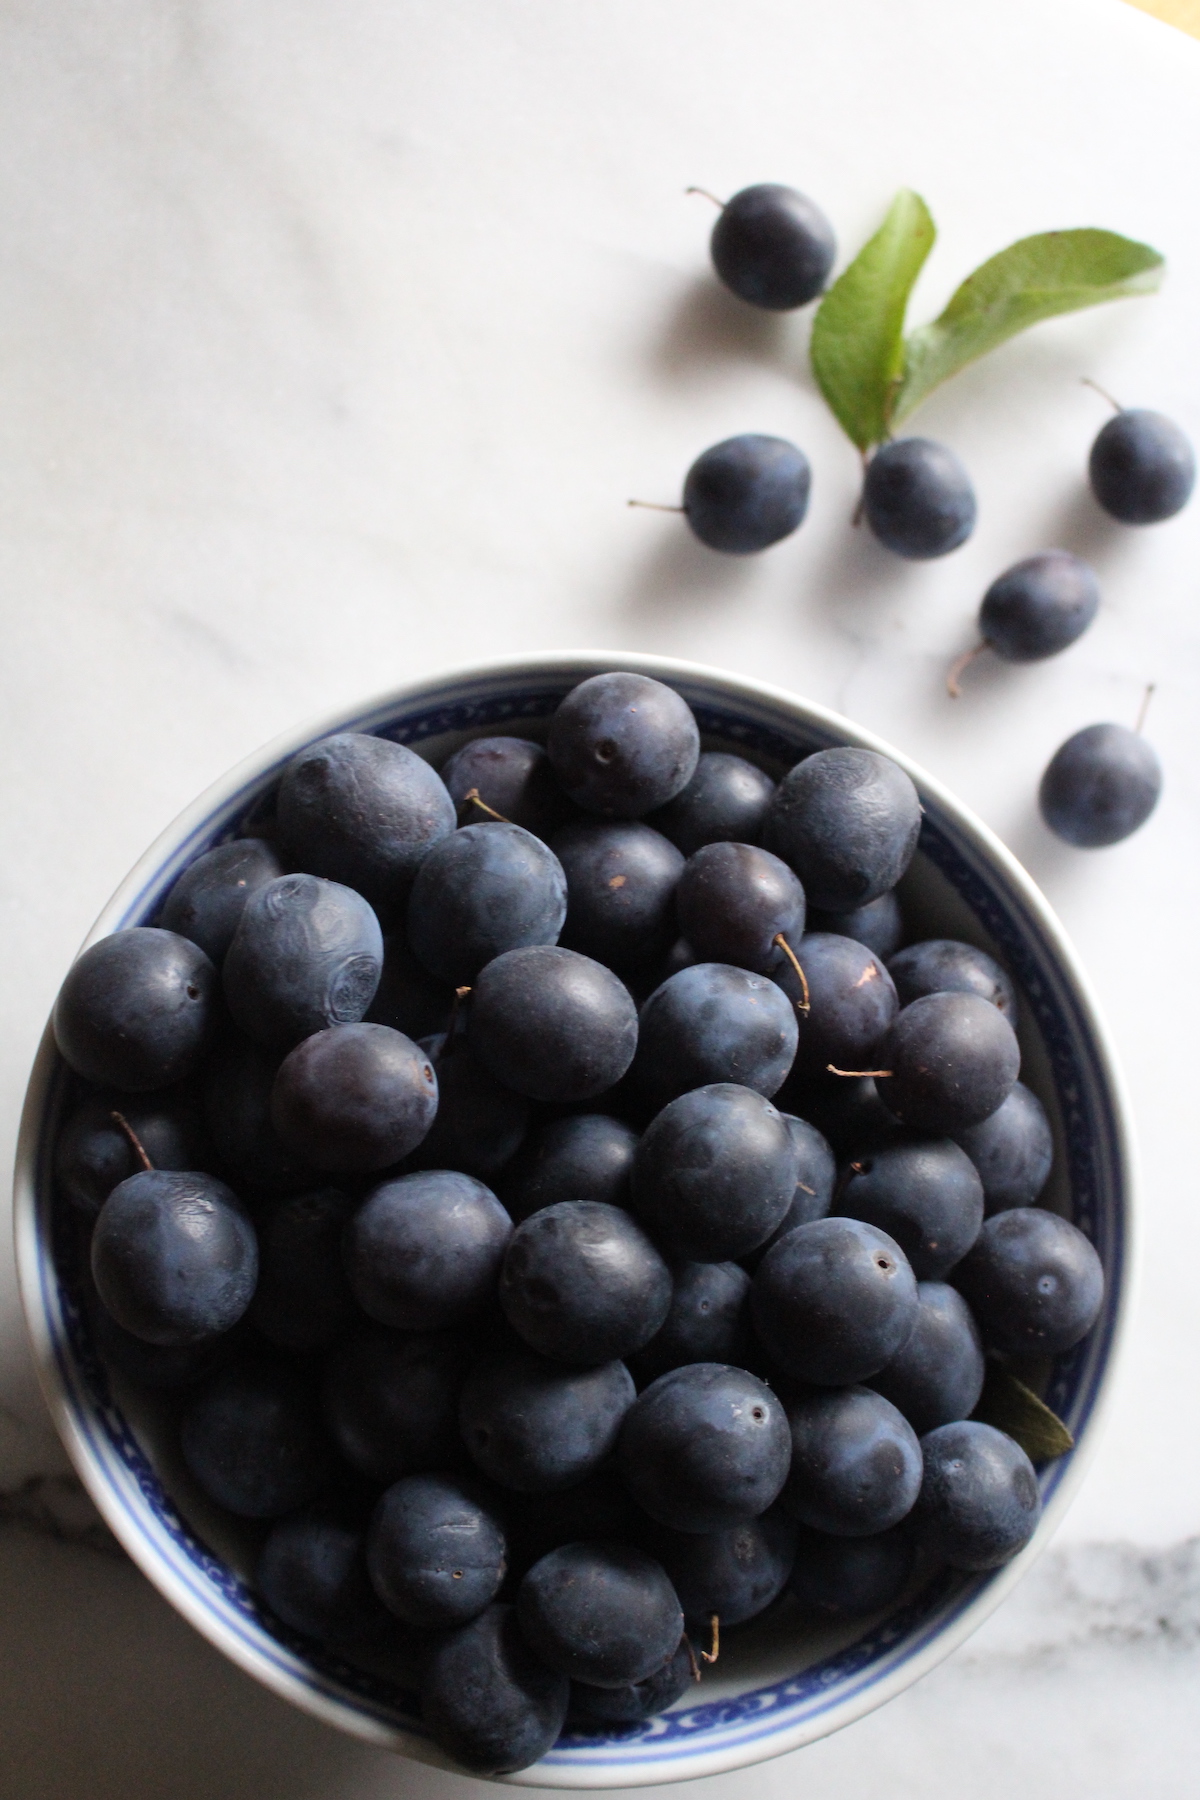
(255, 770)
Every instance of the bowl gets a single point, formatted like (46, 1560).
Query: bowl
(779, 1684)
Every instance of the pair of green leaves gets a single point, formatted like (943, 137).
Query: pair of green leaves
(873, 376)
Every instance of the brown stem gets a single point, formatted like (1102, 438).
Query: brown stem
(958, 665)
(707, 196)
(856, 517)
(1147, 697)
(138, 1147)
(714, 1625)
(655, 506)
(857, 1074)
(460, 995)
(696, 1674)
(1103, 392)
(804, 1005)
(471, 797)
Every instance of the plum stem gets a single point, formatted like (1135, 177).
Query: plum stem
(707, 196)
(655, 506)
(858, 1074)
(959, 664)
(139, 1148)
(472, 798)
(804, 1005)
(1103, 393)
(1147, 697)
(696, 1671)
(714, 1626)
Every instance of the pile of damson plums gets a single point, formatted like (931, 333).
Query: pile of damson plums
(547, 1334)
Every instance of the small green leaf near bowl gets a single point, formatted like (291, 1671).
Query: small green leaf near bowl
(858, 334)
(1035, 278)
(1011, 1407)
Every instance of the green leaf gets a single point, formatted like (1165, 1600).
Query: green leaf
(1010, 1406)
(858, 334)
(1035, 278)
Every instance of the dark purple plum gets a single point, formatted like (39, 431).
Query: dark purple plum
(937, 1376)
(705, 1447)
(816, 1176)
(1100, 786)
(924, 1192)
(773, 247)
(252, 1438)
(746, 493)
(390, 1400)
(621, 877)
(481, 891)
(552, 1024)
(488, 1700)
(1039, 606)
(408, 997)
(137, 1010)
(512, 777)
(206, 902)
(94, 1152)
(733, 1574)
(306, 954)
(714, 1173)
(714, 1023)
(603, 1613)
(1033, 1281)
(362, 811)
(845, 1004)
(918, 499)
(238, 1084)
(536, 1427)
(174, 1256)
(725, 802)
(952, 1059)
(639, 1699)
(435, 1552)
(313, 1575)
(423, 1251)
(582, 1283)
(879, 924)
(354, 1097)
(979, 1502)
(1142, 468)
(623, 744)
(848, 1578)
(479, 1124)
(586, 1156)
(945, 966)
(856, 1463)
(709, 1321)
(736, 903)
(834, 1301)
(1013, 1150)
(847, 822)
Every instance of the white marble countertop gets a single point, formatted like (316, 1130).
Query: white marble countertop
(333, 342)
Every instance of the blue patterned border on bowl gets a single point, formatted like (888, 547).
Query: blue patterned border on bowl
(691, 1739)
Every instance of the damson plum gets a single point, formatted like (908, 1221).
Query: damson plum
(362, 811)
(511, 776)
(1100, 786)
(1033, 1281)
(94, 1151)
(1142, 468)
(739, 904)
(705, 1447)
(136, 1010)
(746, 493)
(856, 1463)
(623, 744)
(621, 877)
(479, 1123)
(725, 802)
(537, 1427)
(435, 1554)
(918, 498)
(481, 891)
(844, 1005)
(944, 966)
(847, 821)
(306, 954)
(638, 1700)
(937, 1376)
(1013, 1150)
(924, 1192)
(709, 1321)
(951, 1059)
(603, 1613)
(206, 902)
(488, 1699)
(423, 1251)
(1039, 606)
(714, 1173)
(582, 1283)
(835, 1300)
(979, 1502)
(586, 1156)
(174, 1256)
(303, 1300)
(312, 1573)
(552, 1024)
(773, 247)
(252, 1438)
(714, 1023)
(847, 1578)
(879, 924)
(390, 1400)
(237, 1110)
(734, 1574)
(354, 1097)
(816, 1175)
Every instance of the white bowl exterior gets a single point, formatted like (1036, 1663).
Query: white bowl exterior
(688, 1742)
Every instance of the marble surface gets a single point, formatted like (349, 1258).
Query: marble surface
(334, 341)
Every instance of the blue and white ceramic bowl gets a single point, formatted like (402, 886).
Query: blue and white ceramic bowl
(779, 1685)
